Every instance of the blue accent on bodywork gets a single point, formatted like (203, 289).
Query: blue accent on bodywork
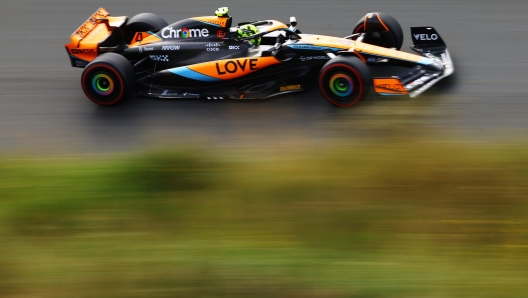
(312, 47)
(152, 33)
(191, 74)
(425, 61)
(391, 94)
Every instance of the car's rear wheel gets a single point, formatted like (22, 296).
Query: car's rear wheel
(108, 79)
(344, 81)
(141, 23)
(381, 30)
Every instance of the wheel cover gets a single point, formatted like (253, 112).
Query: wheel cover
(103, 84)
(341, 85)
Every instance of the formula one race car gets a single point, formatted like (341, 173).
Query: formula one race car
(205, 57)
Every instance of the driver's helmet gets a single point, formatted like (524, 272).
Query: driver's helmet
(248, 30)
(222, 12)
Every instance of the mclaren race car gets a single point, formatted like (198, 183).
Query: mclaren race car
(208, 57)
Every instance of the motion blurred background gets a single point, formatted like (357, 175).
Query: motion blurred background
(286, 197)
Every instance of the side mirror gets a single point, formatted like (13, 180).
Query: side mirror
(279, 41)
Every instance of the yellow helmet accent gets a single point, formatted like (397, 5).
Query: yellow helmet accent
(248, 30)
(222, 12)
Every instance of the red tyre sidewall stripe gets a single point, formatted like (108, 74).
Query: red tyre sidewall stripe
(359, 29)
(382, 23)
(112, 70)
(356, 73)
(361, 57)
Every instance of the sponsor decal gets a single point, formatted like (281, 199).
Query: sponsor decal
(217, 22)
(389, 86)
(214, 97)
(170, 48)
(79, 63)
(212, 45)
(82, 51)
(371, 60)
(141, 49)
(395, 87)
(220, 34)
(169, 32)
(234, 47)
(426, 37)
(87, 26)
(290, 88)
(307, 47)
(191, 94)
(185, 94)
(309, 58)
(160, 58)
(167, 93)
(233, 66)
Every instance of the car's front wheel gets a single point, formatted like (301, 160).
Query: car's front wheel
(108, 79)
(344, 81)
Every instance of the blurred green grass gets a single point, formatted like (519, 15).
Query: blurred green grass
(393, 218)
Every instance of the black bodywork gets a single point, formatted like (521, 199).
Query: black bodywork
(211, 42)
(204, 57)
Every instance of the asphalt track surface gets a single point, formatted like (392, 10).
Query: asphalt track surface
(42, 106)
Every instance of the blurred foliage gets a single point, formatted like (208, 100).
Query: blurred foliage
(400, 218)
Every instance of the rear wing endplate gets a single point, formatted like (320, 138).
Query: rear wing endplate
(85, 41)
(91, 23)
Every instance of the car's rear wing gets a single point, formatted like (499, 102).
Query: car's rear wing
(89, 37)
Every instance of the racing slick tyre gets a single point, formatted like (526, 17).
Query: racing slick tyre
(141, 23)
(108, 79)
(382, 30)
(344, 81)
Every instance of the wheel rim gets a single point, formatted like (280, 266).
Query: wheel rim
(341, 85)
(103, 84)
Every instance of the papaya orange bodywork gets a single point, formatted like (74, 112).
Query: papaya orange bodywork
(359, 48)
(142, 38)
(221, 21)
(389, 86)
(385, 52)
(328, 41)
(85, 40)
(229, 69)
(275, 25)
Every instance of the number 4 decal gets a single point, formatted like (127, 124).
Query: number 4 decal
(139, 37)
